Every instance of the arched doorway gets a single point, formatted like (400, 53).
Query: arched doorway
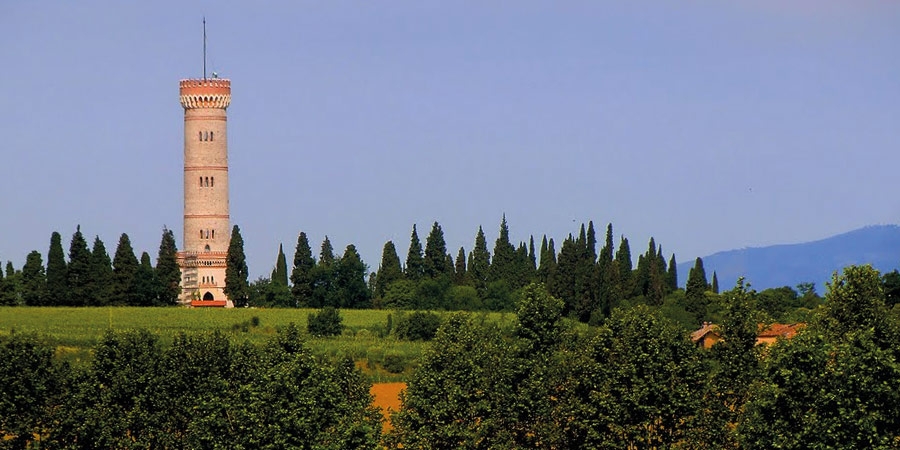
(208, 296)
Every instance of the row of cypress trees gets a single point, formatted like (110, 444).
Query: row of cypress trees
(91, 278)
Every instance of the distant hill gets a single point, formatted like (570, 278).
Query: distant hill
(788, 265)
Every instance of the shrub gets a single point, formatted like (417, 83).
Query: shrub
(418, 326)
(394, 363)
(326, 322)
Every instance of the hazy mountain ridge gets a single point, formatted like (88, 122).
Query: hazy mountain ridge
(790, 264)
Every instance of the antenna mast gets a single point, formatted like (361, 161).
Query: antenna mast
(204, 48)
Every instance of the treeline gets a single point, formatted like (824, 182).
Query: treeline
(91, 278)
(202, 391)
(590, 283)
(637, 381)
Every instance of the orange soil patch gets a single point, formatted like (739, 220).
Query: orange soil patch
(387, 397)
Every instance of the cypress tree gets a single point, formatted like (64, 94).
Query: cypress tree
(503, 266)
(450, 271)
(522, 274)
(146, 285)
(563, 286)
(435, 263)
(302, 272)
(460, 276)
(715, 283)
(5, 298)
(481, 263)
(9, 287)
(607, 276)
(532, 257)
(101, 274)
(57, 273)
(34, 280)
(415, 266)
(350, 281)
(324, 293)
(79, 271)
(548, 261)
(672, 274)
(237, 287)
(326, 253)
(389, 271)
(624, 263)
(125, 268)
(695, 290)
(168, 273)
(279, 274)
(591, 242)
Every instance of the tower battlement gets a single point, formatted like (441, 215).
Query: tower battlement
(199, 93)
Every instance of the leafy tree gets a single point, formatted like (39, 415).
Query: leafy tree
(418, 326)
(167, 271)
(350, 280)
(435, 263)
(57, 273)
(855, 300)
(279, 273)
(400, 294)
(539, 320)
(125, 268)
(265, 293)
(891, 282)
(302, 272)
(34, 281)
(503, 264)
(79, 271)
(29, 383)
(237, 286)
(326, 322)
(389, 271)
(415, 265)
(147, 287)
(324, 288)
(481, 262)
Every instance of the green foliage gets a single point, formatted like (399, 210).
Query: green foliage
(168, 273)
(417, 326)
(539, 317)
(460, 277)
(57, 274)
(78, 272)
(415, 265)
(326, 322)
(463, 298)
(481, 262)
(34, 281)
(503, 265)
(147, 286)
(695, 291)
(125, 268)
(435, 262)
(389, 271)
(237, 286)
(279, 273)
(351, 290)
(265, 293)
(29, 383)
(302, 272)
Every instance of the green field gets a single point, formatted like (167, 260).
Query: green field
(74, 331)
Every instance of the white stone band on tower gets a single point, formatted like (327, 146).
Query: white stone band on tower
(207, 226)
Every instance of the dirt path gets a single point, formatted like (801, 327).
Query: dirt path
(387, 397)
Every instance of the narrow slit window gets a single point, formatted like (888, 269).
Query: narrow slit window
(212, 181)
(201, 234)
(211, 136)
(199, 135)
(213, 234)
(201, 181)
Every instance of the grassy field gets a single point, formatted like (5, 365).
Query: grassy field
(74, 331)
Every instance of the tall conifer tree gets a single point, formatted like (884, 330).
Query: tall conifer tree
(625, 265)
(591, 242)
(34, 280)
(415, 266)
(237, 287)
(168, 274)
(302, 272)
(563, 286)
(350, 281)
(324, 291)
(481, 262)
(715, 283)
(435, 263)
(101, 274)
(79, 271)
(279, 273)
(672, 274)
(125, 267)
(389, 271)
(460, 276)
(695, 291)
(503, 266)
(57, 273)
(147, 286)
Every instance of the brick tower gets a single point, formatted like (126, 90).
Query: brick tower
(206, 221)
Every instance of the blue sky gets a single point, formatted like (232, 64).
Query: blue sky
(708, 125)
